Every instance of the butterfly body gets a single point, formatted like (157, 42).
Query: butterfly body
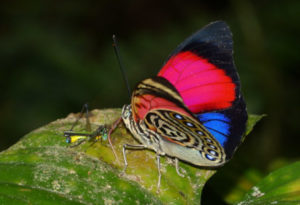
(193, 110)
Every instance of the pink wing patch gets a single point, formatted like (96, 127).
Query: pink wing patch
(143, 104)
(202, 85)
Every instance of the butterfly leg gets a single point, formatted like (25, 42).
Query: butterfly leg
(177, 167)
(113, 127)
(129, 146)
(159, 173)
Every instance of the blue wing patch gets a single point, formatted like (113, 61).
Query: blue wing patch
(217, 124)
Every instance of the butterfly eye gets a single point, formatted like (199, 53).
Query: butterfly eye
(126, 111)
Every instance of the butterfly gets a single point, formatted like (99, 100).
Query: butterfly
(193, 110)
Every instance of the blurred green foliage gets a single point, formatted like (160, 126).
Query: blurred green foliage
(57, 55)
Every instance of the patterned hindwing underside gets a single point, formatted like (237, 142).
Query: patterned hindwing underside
(185, 131)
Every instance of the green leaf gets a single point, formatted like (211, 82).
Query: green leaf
(43, 168)
(279, 187)
(252, 120)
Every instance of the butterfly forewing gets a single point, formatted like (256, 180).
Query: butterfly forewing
(202, 70)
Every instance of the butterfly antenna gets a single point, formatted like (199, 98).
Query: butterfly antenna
(116, 48)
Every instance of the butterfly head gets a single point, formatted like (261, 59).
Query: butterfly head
(126, 114)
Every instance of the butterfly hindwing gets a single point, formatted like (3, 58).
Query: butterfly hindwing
(184, 131)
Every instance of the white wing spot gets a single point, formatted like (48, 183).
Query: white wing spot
(209, 157)
(178, 116)
(189, 124)
(212, 152)
(208, 140)
(211, 146)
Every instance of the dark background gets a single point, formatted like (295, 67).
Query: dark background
(57, 55)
